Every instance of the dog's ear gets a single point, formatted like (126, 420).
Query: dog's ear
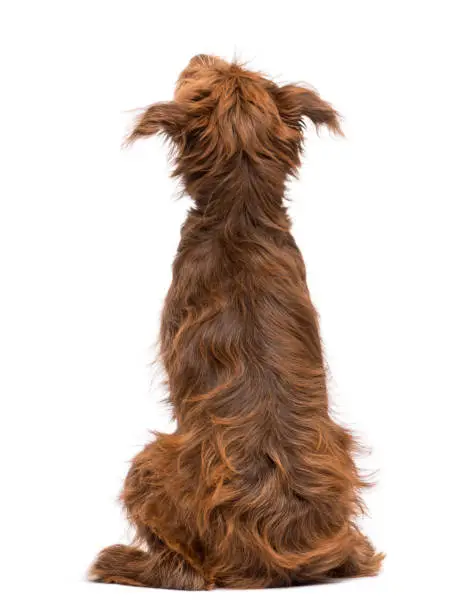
(167, 118)
(295, 103)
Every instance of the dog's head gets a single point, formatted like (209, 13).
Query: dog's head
(224, 116)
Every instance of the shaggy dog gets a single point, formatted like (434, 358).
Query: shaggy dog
(257, 487)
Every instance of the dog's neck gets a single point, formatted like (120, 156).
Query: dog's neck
(245, 198)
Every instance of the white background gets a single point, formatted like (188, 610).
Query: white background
(87, 237)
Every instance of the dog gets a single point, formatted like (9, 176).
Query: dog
(258, 486)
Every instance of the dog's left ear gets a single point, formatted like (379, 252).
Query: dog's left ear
(167, 118)
(295, 103)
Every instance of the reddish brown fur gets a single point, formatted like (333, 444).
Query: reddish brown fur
(257, 487)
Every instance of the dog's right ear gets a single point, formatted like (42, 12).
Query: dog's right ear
(295, 103)
(167, 118)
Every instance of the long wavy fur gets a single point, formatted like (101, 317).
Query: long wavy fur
(257, 487)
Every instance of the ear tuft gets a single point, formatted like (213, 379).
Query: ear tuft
(295, 103)
(164, 117)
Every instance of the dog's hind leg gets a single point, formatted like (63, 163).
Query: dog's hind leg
(158, 563)
(362, 560)
(159, 567)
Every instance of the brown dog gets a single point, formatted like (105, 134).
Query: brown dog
(257, 487)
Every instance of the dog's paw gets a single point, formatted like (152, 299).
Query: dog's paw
(116, 564)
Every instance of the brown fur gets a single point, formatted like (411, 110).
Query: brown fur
(257, 487)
